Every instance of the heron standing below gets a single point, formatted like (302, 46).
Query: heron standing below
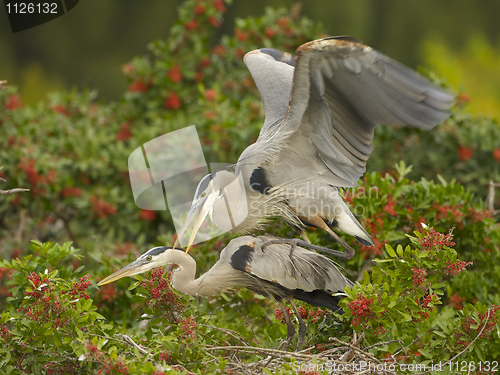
(322, 108)
(244, 262)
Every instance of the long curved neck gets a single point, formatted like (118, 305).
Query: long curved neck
(183, 277)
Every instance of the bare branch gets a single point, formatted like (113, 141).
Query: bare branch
(13, 191)
(490, 200)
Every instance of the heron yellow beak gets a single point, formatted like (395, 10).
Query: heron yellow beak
(132, 269)
(198, 213)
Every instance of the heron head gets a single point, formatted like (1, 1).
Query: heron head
(209, 193)
(155, 257)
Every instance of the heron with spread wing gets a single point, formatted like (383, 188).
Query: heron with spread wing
(247, 262)
(322, 107)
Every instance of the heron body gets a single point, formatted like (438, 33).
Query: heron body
(271, 271)
(322, 107)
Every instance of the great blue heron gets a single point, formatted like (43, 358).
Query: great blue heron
(317, 136)
(244, 262)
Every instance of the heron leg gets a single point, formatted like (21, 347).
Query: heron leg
(296, 242)
(320, 223)
(290, 332)
(304, 236)
(302, 326)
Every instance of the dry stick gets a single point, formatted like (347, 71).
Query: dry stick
(347, 356)
(389, 342)
(13, 191)
(363, 353)
(490, 200)
(465, 349)
(278, 353)
(131, 342)
(407, 346)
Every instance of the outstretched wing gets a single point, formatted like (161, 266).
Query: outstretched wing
(272, 71)
(341, 90)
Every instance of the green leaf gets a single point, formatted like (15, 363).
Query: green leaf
(480, 353)
(399, 250)
(390, 251)
(86, 305)
(426, 353)
(134, 285)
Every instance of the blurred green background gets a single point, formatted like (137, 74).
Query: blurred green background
(459, 40)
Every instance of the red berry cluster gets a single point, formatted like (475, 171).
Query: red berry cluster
(454, 268)
(101, 208)
(167, 357)
(315, 315)
(188, 329)
(361, 310)
(80, 287)
(137, 85)
(373, 250)
(433, 240)
(456, 301)
(46, 305)
(65, 368)
(464, 153)
(71, 192)
(107, 292)
(278, 314)
(445, 211)
(107, 365)
(425, 309)
(13, 102)
(419, 276)
(147, 215)
(6, 272)
(172, 101)
(160, 295)
(34, 178)
(124, 133)
(463, 339)
(312, 315)
(175, 74)
(389, 207)
(4, 332)
(308, 372)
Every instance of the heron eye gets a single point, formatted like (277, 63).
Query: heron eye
(149, 257)
(203, 195)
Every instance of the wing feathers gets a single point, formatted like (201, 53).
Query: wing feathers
(341, 90)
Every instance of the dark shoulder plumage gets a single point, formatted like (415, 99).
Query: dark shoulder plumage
(242, 258)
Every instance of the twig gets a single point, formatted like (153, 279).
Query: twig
(387, 342)
(490, 200)
(276, 352)
(12, 191)
(407, 346)
(131, 342)
(466, 348)
(347, 356)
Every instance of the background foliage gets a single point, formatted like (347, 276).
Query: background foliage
(72, 152)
